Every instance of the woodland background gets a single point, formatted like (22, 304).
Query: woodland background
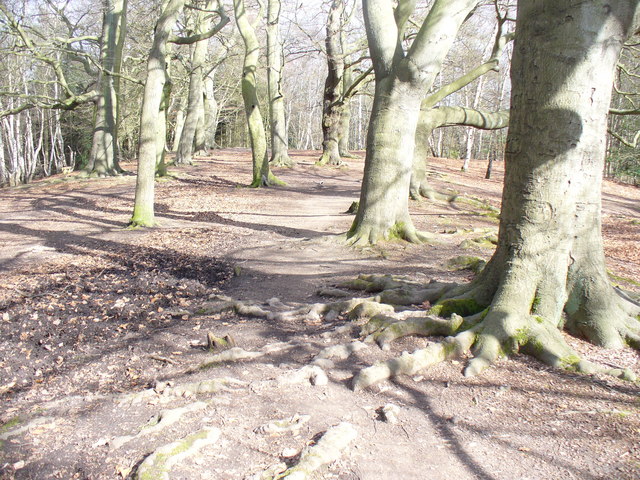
(47, 137)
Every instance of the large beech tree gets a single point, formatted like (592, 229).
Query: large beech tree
(262, 175)
(278, 123)
(403, 77)
(548, 272)
(151, 119)
(103, 159)
(339, 87)
(195, 101)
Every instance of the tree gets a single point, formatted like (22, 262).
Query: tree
(46, 72)
(548, 272)
(275, 65)
(624, 126)
(432, 116)
(262, 175)
(339, 88)
(104, 151)
(332, 107)
(195, 102)
(402, 79)
(151, 122)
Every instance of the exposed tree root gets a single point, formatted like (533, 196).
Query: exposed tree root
(157, 466)
(399, 291)
(472, 323)
(286, 425)
(330, 160)
(348, 154)
(470, 328)
(327, 450)
(135, 224)
(159, 423)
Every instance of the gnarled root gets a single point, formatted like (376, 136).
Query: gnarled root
(397, 290)
(411, 363)
(384, 329)
(495, 336)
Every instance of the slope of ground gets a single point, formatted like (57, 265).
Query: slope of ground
(104, 360)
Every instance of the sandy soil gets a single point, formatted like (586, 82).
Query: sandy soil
(104, 331)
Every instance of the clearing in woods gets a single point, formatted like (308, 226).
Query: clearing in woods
(105, 372)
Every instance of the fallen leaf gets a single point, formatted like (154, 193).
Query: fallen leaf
(123, 471)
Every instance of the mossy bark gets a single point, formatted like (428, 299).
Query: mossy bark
(401, 81)
(548, 271)
(550, 241)
(262, 175)
(143, 210)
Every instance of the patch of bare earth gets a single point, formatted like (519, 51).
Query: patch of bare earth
(103, 358)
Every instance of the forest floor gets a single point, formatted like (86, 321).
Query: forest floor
(103, 357)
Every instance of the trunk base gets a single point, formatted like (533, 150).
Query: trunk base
(328, 159)
(267, 181)
(282, 160)
(488, 332)
(362, 234)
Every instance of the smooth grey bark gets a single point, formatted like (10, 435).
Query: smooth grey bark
(200, 138)
(103, 159)
(402, 79)
(345, 117)
(195, 102)
(143, 210)
(210, 111)
(548, 271)
(177, 130)
(278, 122)
(262, 175)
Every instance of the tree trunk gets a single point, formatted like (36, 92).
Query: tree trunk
(143, 210)
(103, 160)
(345, 117)
(279, 135)
(262, 175)
(401, 82)
(184, 155)
(549, 266)
(489, 171)
(200, 138)
(332, 102)
(211, 111)
(161, 132)
(177, 131)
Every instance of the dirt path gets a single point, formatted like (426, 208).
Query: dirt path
(104, 332)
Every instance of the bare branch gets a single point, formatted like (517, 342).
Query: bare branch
(631, 144)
